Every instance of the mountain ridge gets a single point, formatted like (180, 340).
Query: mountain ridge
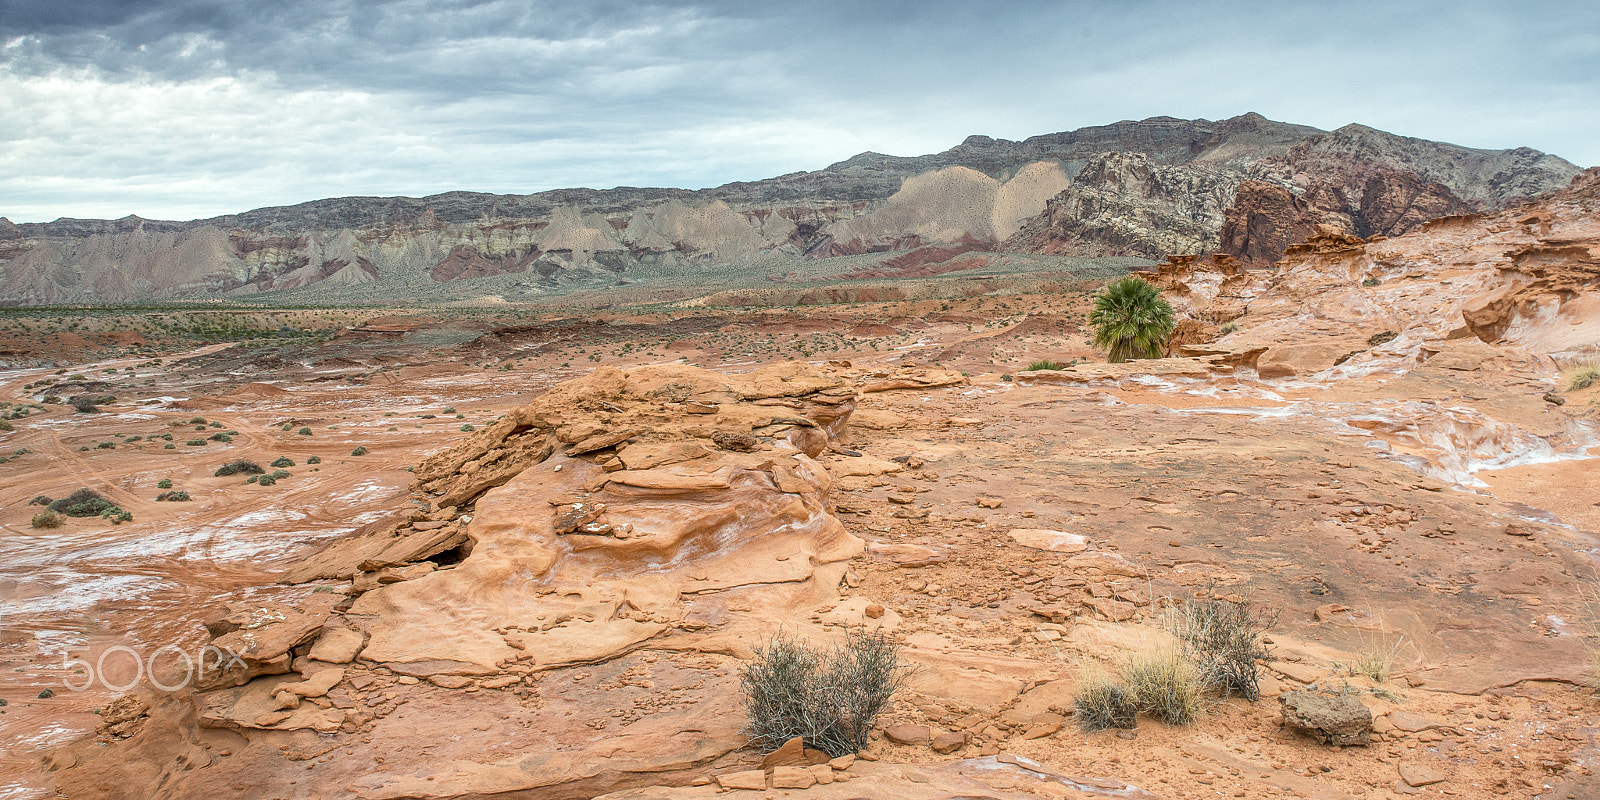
(1148, 188)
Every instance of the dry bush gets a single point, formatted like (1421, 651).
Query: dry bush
(1582, 377)
(1166, 685)
(829, 697)
(1223, 639)
(1103, 703)
(46, 520)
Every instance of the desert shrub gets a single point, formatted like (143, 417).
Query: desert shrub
(1102, 702)
(6, 426)
(46, 519)
(196, 443)
(132, 439)
(215, 424)
(1166, 685)
(279, 474)
(304, 431)
(241, 466)
(220, 437)
(1382, 337)
(165, 437)
(1223, 639)
(1583, 377)
(359, 451)
(197, 420)
(1043, 364)
(1370, 282)
(450, 410)
(179, 496)
(314, 460)
(169, 446)
(83, 503)
(40, 500)
(164, 483)
(283, 461)
(1231, 327)
(466, 428)
(84, 404)
(52, 399)
(265, 480)
(829, 697)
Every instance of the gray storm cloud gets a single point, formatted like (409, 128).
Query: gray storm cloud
(185, 109)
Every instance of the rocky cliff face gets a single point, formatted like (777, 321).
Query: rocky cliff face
(1150, 188)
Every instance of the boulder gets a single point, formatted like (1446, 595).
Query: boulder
(1335, 719)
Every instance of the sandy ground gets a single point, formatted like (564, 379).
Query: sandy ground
(1217, 488)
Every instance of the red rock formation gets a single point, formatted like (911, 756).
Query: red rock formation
(464, 262)
(1266, 218)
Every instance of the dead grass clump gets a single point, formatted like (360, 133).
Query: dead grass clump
(1223, 639)
(1582, 377)
(829, 697)
(1102, 703)
(47, 520)
(1166, 685)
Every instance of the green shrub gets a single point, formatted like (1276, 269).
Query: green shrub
(830, 698)
(1103, 703)
(165, 437)
(106, 446)
(132, 439)
(178, 496)
(84, 404)
(215, 424)
(164, 483)
(83, 503)
(220, 437)
(6, 426)
(283, 461)
(279, 474)
(1038, 365)
(46, 519)
(169, 446)
(266, 480)
(39, 500)
(466, 428)
(304, 431)
(359, 451)
(314, 460)
(196, 443)
(197, 420)
(242, 466)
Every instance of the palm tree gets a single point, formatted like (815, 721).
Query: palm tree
(1131, 320)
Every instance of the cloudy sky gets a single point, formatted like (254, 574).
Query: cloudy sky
(178, 109)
